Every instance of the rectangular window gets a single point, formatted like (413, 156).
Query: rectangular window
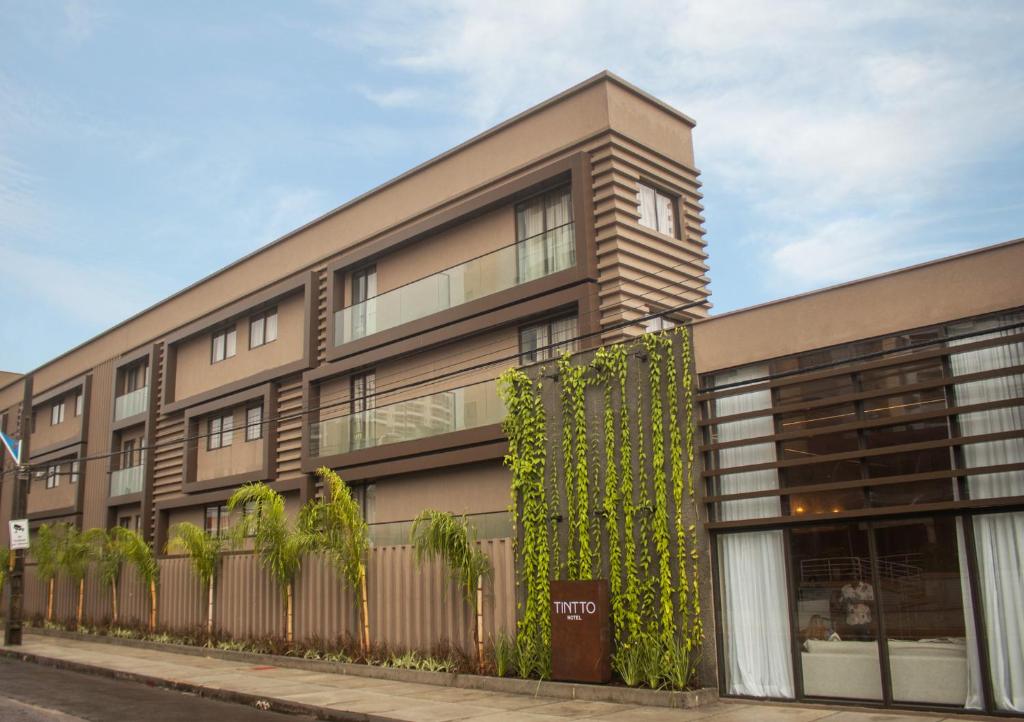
(362, 390)
(76, 471)
(128, 453)
(544, 235)
(548, 340)
(364, 309)
(217, 519)
(52, 476)
(219, 431)
(223, 345)
(657, 210)
(57, 413)
(79, 403)
(131, 379)
(254, 423)
(263, 328)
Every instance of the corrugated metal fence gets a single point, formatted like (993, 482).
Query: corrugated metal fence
(411, 607)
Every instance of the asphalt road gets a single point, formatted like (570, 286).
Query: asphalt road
(35, 693)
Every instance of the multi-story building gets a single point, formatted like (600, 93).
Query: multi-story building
(369, 339)
(861, 447)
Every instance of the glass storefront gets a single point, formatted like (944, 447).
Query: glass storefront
(866, 504)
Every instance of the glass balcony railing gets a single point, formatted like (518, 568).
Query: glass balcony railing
(419, 418)
(488, 525)
(126, 481)
(130, 404)
(527, 260)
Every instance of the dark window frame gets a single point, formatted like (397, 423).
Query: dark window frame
(263, 317)
(225, 333)
(672, 197)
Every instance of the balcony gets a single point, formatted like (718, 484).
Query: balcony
(126, 481)
(131, 404)
(441, 413)
(527, 260)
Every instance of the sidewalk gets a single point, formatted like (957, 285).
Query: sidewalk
(348, 697)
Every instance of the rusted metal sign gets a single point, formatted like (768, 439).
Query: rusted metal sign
(580, 634)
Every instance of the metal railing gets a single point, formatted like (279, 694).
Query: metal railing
(443, 412)
(527, 260)
(131, 404)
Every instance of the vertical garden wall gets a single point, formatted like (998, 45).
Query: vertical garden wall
(605, 484)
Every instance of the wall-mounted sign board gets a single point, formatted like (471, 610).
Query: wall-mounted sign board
(580, 632)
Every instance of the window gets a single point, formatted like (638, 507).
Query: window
(217, 519)
(57, 413)
(657, 210)
(129, 454)
(364, 310)
(223, 345)
(545, 242)
(76, 471)
(659, 323)
(263, 328)
(133, 522)
(219, 432)
(547, 340)
(79, 403)
(362, 390)
(52, 476)
(254, 423)
(131, 379)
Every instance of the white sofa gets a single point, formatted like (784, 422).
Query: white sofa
(925, 671)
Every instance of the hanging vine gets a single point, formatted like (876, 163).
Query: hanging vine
(604, 374)
(678, 489)
(574, 451)
(648, 607)
(524, 425)
(696, 637)
(654, 344)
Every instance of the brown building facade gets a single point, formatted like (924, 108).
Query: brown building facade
(369, 339)
(861, 447)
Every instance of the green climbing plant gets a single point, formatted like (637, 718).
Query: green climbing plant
(580, 554)
(524, 426)
(644, 459)
(655, 345)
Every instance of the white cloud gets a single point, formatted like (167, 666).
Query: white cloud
(825, 117)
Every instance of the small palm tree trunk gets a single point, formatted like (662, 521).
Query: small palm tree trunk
(209, 611)
(49, 601)
(480, 621)
(288, 612)
(366, 609)
(81, 602)
(152, 605)
(113, 601)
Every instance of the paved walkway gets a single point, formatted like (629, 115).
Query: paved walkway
(366, 698)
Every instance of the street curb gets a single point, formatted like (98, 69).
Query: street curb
(503, 685)
(223, 695)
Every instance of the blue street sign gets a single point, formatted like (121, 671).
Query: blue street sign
(13, 446)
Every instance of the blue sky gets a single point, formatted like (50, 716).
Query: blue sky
(145, 145)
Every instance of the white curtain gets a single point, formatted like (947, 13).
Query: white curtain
(755, 611)
(560, 240)
(999, 538)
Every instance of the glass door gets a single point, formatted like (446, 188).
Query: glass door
(880, 605)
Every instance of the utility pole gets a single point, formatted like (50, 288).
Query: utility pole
(19, 509)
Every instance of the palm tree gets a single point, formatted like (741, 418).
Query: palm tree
(204, 551)
(109, 554)
(118, 546)
(76, 552)
(440, 534)
(343, 535)
(46, 551)
(280, 544)
(140, 555)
